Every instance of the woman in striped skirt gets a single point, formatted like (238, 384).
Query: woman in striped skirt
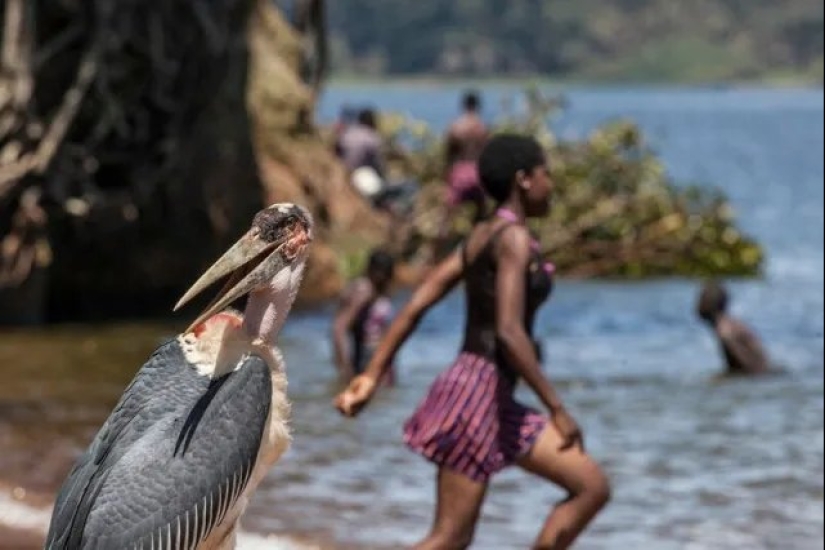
(469, 424)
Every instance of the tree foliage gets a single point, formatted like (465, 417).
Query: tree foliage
(616, 212)
(612, 39)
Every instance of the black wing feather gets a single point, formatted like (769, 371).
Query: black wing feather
(172, 458)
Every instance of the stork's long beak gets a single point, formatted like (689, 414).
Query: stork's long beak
(249, 263)
(278, 239)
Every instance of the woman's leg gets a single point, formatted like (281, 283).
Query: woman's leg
(587, 487)
(456, 514)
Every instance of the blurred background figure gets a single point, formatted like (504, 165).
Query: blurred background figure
(363, 315)
(360, 147)
(465, 139)
(743, 352)
(346, 117)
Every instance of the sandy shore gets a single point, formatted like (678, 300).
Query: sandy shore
(24, 521)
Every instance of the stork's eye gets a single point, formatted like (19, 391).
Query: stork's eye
(272, 224)
(279, 223)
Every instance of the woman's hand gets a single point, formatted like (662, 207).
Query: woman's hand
(358, 394)
(569, 430)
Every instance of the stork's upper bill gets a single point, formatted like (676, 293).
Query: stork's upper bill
(278, 240)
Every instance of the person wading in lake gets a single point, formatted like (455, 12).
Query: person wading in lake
(364, 313)
(469, 424)
(465, 139)
(741, 348)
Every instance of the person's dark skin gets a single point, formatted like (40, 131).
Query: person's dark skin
(558, 455)
(360, 293)
(464, 141)
(466, 136)
(741, 348)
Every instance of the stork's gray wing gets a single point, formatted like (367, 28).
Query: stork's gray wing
(171, 459)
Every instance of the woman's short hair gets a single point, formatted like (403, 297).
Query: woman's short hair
(502, 158)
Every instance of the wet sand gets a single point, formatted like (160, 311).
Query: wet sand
(19, 539)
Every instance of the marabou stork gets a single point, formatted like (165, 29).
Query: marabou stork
(195, 432)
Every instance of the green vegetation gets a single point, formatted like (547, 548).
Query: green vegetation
(624, 40)
(616, 213)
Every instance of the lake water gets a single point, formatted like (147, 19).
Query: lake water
(696, 463)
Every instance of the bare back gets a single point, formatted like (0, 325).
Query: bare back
(466, 138)
(741, 347)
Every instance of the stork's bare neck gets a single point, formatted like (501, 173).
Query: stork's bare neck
(267, 309)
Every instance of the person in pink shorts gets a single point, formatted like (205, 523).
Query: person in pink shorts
(469, 424)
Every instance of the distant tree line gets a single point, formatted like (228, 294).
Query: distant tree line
(611, 39)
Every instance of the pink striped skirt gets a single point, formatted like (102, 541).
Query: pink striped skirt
(470, 423)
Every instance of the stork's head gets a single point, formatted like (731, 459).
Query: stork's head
(267, 263)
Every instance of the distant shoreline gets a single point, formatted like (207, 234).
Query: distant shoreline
(437, 81)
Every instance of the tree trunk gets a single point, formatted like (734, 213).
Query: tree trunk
(127, 160)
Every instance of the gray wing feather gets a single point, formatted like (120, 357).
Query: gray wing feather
(171, 460)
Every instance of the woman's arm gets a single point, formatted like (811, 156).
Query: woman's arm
(513, 257)
(438, 283)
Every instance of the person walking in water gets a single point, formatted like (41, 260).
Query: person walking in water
(363, 315)
(741, 348)
(469, 424)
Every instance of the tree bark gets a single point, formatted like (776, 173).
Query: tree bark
(132, 122)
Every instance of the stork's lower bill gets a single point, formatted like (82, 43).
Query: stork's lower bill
(204, 419)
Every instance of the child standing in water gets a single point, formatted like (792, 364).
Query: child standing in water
(741, 348)
(363, 316)
(469, 424)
